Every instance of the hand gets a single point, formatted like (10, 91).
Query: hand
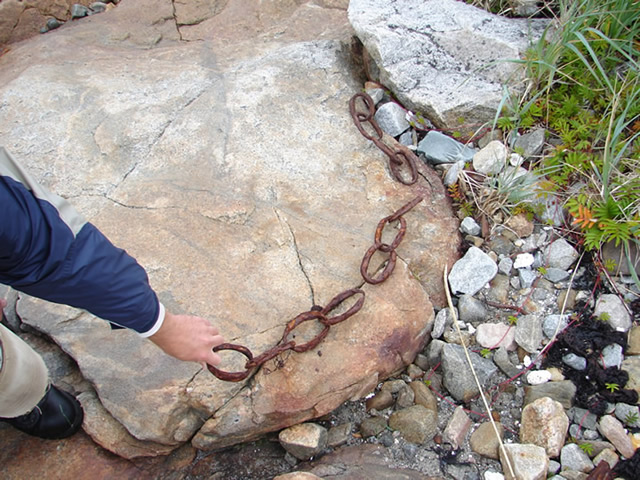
(3, 303)
(188, 338)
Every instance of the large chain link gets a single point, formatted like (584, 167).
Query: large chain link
(398, 154)
(321, 314)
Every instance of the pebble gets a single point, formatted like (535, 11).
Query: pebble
(563, 392)
(457, 428)
(584, 418)
(527, 461)
(392, 118)
(494, 335)
(372, 426)
(505, 265)
(545, 424)
(440, 148)
(611, 356)
(381, 400)
(523, 260)
(491, 159)
(628, 414)
(573, 457)
(444, 319)
(304, 440)
(611, 428)
(554, 323)
(405, 397)
(501, 359)
(471, 310)
(339, 435)
(618, 317)
(521, 225)
(417, 424)
(79, 11)
(458, 378)
(530, 143)
(472, 272)
(424, 396)
(556, 275)
(97, 7)
(469, 226)
(526, 277)
(529, 332)
(607, 455)
(538, 377)
(484, 442)
(560, 254)
(574, 361)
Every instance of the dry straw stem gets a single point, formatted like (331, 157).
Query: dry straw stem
(475, 376)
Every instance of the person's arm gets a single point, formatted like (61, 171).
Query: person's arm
(47, 250)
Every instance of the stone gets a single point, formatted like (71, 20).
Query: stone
(556, 275)
(566, 300)
(470, 227)
(472, 272)
(297, 476)
(459, 42)
(537, 377)
(424, 396)
(528, 332)
(339, 435)
(611, 356)
(79, 11)
(457, 428)
(417, 424)
(584, 418)
(495, 335)
(439, 148)
(520, 225)
(554, 324)
(505, 265)
(523, 260)
(544, 423)
(405, 397)
(526, 277)
(632, 366)
(434, 352)
(617, 315)
(97, 7)
(530, 144)
(304, 440)
(381, 400)
(491, 159)
(484, 441)
(501, 359)
(612, 429)
(560, 254)
(573, 457)
(453, 172)
(443, 320)
(372, 426)
(606, 455)
(574, 361)
(563, 392)
(150, 155)
(391, 118)
(529, 462)
(458, 378)
(471, 310)
(628, 414)
(633, 346)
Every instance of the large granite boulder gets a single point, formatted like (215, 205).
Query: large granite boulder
(235, 175)
(443, 58)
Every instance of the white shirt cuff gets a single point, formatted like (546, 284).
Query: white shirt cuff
(157, 325)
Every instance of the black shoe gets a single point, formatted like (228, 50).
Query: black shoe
(58, 415)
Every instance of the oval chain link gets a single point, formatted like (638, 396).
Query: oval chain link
(321, 313)
(399, 155)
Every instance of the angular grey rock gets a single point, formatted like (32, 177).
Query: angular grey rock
(434, 352)
(417, 424)
(484, 442)
(444, 319)
(560, 254)
(583, 418)
(502, 360)
(529, 332)
(505, 265)
(453, 172)
(611, 356)
(554, 323)
(617, 315)
(98, 7)
(471, 310)
(442, 57)
(526, 277)
(376, 94)
(529, 462)
(530, 143)
(556, 275)
(628, 414)
(79, 11)
(458, 378)
(491, 159)
(391, 118)
(574, 361)
(53, 23)
(373, 426)
(304, 440)
(339, 435)
(457, 428)
(563, 392)
(439, 148)
(472, 272)
(470, 227)
(573, 457)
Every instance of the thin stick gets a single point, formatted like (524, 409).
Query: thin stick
(475, 377)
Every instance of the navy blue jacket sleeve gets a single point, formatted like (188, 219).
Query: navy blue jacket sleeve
(48, 251)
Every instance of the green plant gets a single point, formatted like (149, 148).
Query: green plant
(604, 317)
(631, 418)
(485, 352)
(587, 448)
(612, 387)
(512, 319)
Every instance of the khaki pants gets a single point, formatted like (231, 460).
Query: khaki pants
(23, 375)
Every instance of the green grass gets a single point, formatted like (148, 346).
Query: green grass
(583, 86)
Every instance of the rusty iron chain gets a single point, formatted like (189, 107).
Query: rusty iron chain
(321, 314)
(398, 155)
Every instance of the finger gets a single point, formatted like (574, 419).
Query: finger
(214, 359)
(216, 340)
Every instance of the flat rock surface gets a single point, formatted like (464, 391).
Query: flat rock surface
(234, 174)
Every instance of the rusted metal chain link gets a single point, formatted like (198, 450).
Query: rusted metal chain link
(321, 314)
(398, 156)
